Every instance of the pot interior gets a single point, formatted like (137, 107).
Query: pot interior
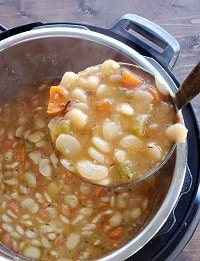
(41, 58)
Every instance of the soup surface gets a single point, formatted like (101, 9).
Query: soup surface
(110, 124)
(46, 213)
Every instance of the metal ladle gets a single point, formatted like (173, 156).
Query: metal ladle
(186, 92)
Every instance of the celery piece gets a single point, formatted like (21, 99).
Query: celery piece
(126, 170)
(63, 126)
(29, 146)
(139, 125)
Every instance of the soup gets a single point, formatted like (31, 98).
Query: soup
(46, 213)
(110, 124)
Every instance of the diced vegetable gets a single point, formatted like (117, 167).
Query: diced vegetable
(129, 80)
(126, 170)
(63, 126)
(104, 106)
(139, 125)
(57, 101)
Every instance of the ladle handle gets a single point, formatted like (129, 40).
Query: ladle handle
(189, 88)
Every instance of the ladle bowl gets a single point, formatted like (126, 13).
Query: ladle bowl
(189, 89)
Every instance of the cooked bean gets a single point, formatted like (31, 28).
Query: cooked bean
(177, 132)
(101, 144)
(125, 108)
(96, 155)
(30, 204)
(111, 130)
(130, 141)
(91, 171)
(154, 151)
(68, 145)
(31, 252)
(77, 118)
(68, 79)
(116, 219)
(72, 240)
(35, 136)
(79, 95)
(30, 178)
(45, 168)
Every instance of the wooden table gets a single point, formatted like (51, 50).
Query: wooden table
(180, 18)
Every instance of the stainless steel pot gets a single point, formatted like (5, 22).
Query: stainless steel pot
(47, 52)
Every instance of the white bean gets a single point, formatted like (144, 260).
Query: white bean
(30, 204)
(125, 109)
(154, 151)
(35, 156)
(30, 178)
(72, 240)
(77, 118)
(68, 145)
(96, 155)
(101, 144)
(177, 132)
(116, 219)
(120, 155)
(130, 141)
(109, 67)
(45, 168)
(111, 129)
(91, 171)
(135, 213)
(68, 79)
(31, 252)
(36, 136)
(79, 95)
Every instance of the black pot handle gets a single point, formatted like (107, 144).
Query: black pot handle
(148, 38)
(16, 30)
(3, 28)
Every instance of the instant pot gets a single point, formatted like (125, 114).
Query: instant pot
(153, 48)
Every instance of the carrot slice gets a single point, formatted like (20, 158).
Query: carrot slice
(129, 80)
(20, 153)
(57, 101)
(59, 241)
(6, 144)
(117, 233)
(104, 105)
(14, 208)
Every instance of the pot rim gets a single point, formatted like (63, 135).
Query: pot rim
(172, 195)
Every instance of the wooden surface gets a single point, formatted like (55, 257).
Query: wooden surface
(181, 18)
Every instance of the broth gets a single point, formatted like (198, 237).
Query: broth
(46, 213)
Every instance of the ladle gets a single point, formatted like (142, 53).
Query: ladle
(186, 92)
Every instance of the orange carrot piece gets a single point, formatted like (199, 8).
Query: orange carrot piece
(117, 233)
(59, 241)
(129, 80)
(44, 214)
(20, 153)
(57, 101)
(14, 208)
(99, 191)
(6, 144)
(104, 106)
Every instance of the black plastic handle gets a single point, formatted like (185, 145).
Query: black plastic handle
(149, 38)
(16, 30)
(3, 28)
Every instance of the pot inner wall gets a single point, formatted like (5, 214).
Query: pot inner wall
(34, 60)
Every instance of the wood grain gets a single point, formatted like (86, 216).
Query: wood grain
(180, 18)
